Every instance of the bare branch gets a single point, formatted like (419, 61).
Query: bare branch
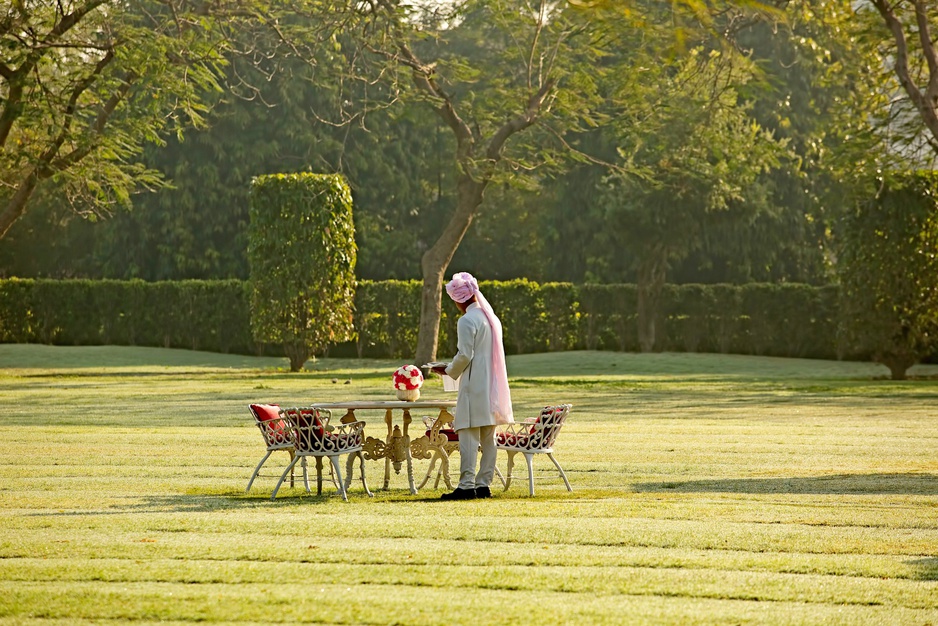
(928, 50)
(926, 103)
(519, 122)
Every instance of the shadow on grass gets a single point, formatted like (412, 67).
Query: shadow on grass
(841, 484)
(927, 568)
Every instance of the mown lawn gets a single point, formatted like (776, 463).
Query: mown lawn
(708, 489)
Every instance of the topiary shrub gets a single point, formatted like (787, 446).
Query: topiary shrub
(888, 266)
(302, 254)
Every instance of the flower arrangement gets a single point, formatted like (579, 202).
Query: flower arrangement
(407, 382)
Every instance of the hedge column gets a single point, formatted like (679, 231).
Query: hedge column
(889, 268)
(302, 255)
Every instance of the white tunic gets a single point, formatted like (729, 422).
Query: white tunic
(472, 365)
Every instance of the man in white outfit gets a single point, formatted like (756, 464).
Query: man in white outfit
(484, 399)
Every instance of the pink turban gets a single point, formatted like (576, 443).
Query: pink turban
(462, 288)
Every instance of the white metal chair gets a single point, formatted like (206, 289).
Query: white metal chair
(533, 436)
(276, 432)
(314, 436)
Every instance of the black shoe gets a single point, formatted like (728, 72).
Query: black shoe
(460, 494)
(483, 492)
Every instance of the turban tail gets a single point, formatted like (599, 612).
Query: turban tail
(461, 288)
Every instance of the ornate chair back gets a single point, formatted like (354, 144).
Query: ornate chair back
(544, 431)
(314, 436)
(277, 434)
(531, 437)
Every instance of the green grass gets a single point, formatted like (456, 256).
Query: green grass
(708, 489)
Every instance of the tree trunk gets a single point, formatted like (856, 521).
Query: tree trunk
(17, 204)
(474, 177)
(298, 353)
(651, 275)
(898, 363)
(435, 261)
(430, 312)
(897, 370)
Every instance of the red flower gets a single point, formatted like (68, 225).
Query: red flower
(407, 377)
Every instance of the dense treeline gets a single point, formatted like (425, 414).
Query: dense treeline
(764, 319)
(671, 182)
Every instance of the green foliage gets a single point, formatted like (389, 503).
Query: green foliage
(386, 315)
(889, 270)
(302, 256)
(17, 321)
(617, 84)
(87, 85)
(697, 156)
(608, 317)
(198, 315)
(789, 320)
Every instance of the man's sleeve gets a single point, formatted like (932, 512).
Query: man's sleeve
(465, 340)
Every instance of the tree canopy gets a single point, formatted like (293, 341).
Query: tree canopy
(86, 84)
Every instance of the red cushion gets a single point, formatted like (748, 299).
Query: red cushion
(274, 426)
(310, 419)
(451, 435)
(266, 412)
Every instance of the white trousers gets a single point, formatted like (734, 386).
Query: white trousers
(470, 439)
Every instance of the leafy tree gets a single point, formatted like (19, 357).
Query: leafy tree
(695, 160)
(302, 256)
(512, 81)
(889, 271)
(85, 84)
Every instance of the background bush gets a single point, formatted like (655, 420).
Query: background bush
(763, 319)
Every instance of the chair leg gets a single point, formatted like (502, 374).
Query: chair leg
(511, 465)
(499, 474)
(283, 476)
(530, 458)
(318, 475)
(338, 474)
(560, 469)
(257, 470)
(350, 471)
(443, 472)
(426, 478)
(305, 465)
(361, 460)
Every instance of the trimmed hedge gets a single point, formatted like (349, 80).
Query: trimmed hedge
(764, 319)
(194, 314)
